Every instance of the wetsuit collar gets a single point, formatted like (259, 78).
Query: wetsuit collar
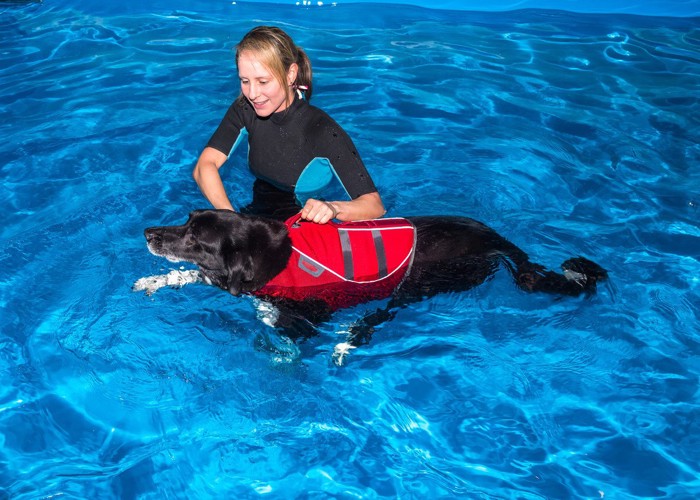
(285, 115)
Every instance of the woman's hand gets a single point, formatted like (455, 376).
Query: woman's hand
(319, 211)
(367, 206)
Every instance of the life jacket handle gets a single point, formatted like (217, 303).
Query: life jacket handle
(294, 219)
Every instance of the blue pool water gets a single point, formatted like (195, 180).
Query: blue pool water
(570, 133)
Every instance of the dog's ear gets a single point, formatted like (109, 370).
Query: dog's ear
(240, 270)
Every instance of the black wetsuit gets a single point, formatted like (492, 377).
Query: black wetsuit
(283, 145)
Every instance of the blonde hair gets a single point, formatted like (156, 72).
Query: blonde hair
(277, 51)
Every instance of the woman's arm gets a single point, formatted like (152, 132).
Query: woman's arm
(206, 174)
(367, 206)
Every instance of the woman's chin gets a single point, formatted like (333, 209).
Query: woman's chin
(268, 109)
(262, 111)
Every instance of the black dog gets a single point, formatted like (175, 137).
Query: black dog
(242, 253)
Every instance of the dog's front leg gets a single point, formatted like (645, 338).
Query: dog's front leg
(288, 325)
(175, 279)
(292, 324)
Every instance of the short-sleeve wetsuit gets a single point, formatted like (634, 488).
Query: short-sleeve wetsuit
(284, 144)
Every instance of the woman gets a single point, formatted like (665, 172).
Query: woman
(288, 139)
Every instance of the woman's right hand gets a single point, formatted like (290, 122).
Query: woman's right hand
(206, 175)
(319, 211)
(367, 206)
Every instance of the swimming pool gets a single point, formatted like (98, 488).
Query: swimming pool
(569, 133)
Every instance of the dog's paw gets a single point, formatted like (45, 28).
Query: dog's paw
(340, 351)
(266, 312)
(280, 348)
(151, 284)
(584, 272)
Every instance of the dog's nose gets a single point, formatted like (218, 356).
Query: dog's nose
(151, 234)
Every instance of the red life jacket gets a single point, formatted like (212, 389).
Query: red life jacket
(344, 264)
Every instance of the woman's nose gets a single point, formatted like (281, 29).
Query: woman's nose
(253, 91)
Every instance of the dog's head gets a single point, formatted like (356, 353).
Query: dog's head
(235, 252)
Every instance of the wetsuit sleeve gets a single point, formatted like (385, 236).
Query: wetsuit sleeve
(227, 135)
(333, 143)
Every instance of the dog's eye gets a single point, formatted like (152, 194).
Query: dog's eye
(193, 231)
(189, 239)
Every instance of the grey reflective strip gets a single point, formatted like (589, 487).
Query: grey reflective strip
(309, 266)
(381, 254)
(347, 254)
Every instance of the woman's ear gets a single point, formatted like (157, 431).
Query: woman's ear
(292, 73)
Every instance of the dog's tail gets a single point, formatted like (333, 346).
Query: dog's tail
(580, 275)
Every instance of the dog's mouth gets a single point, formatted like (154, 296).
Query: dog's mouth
(159, 253)
(155, 244)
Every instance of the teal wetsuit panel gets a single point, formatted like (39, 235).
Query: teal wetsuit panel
(242, 136)
(318, 177)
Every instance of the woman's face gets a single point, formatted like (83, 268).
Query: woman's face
(260, 87)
